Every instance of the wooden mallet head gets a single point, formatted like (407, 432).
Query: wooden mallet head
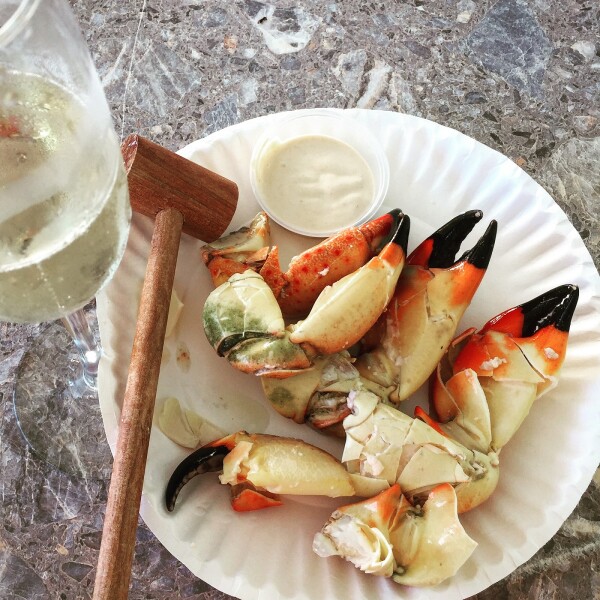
(160, 179)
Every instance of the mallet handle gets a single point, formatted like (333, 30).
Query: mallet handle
(120, 523)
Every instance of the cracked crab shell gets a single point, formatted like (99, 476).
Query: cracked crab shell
(386, 444)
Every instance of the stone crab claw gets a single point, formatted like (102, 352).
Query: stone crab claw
(388, 536)
(310, 272)
(433, 292)
(243, 322)
(313, 270)
(260, 467)
(485, 385)
(345, 311)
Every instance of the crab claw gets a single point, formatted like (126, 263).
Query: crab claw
(243, 322)
(236, 252)
(313, 270)
(259, 467)
(433, 292)
(540, 328)
(344, 312)
(486, 384)
(388, 536)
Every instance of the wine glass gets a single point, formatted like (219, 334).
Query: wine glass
(64, 221)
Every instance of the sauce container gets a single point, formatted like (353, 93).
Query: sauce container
(318, 172)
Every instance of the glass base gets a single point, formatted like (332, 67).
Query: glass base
(57, 412)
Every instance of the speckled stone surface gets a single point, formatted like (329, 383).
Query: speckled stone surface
(521, 76)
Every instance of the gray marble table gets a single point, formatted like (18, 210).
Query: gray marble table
(520, 76)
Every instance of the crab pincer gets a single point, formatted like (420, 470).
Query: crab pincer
(204, 460)
(432, 294)
(486, 384)
(259, 467)
(345, 311)
(313, 270)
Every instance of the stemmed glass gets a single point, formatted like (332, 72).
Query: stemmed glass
(64, 221)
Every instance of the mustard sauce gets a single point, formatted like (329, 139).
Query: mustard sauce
(315, 183)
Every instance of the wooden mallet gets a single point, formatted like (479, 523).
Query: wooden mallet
(181, 196)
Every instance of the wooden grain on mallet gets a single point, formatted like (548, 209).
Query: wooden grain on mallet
(180, 195)
(160, 179)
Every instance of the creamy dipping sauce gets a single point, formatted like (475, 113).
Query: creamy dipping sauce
(314, 183)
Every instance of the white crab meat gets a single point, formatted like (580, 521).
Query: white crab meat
(387, 536)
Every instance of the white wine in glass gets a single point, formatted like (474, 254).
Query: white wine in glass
(63, 196)
(64, 221)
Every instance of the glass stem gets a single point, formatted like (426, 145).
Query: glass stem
(89, 351)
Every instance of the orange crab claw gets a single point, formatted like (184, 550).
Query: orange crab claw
(458, 279)
(486, 384)
(540, 327)
(433, 292)
(312, 271)
(345, 311)
(538, 330)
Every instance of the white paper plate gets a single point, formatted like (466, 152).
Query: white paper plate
(436, 173)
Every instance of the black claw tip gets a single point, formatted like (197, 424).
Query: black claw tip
(481, 253)
(203, 460)
(397, 217)
(400, 236)
(555, 307)
(449, 237)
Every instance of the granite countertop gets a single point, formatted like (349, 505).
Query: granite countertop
(520, 76)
